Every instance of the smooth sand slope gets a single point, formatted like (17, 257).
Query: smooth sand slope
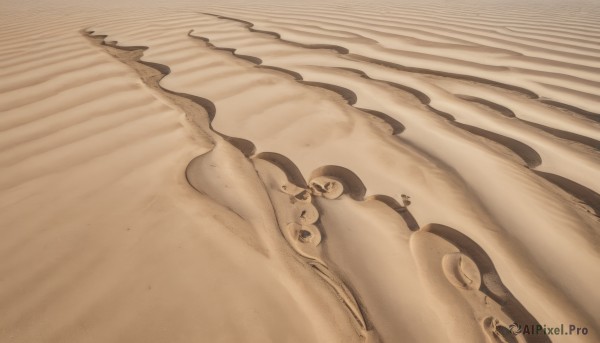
(299, 172)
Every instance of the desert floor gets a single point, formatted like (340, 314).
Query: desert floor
(299, 171)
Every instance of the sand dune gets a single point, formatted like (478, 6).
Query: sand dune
(291, 172)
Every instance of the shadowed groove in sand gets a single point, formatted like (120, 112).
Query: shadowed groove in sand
(396, 126)
(491, 284)
(345, 93)
(290, 169)
(410, 220)
(424, 71)
(293, 74)
(555, 132)
(587, 114)
(250, 27)
(586, 195)
(358, 311)
(251, 59)
(566, 135)
(507, 112)
(524, 151)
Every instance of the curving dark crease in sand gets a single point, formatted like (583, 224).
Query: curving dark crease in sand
(360, 314)
(586, 195)
(250, 27)
(345, 93)
(587, 114)
(290, 169)
(530, 156)
(455, 76)
(411, 222)
(507, 112)
(566, 135)
(397, 126)
(491, 284)
(251, 59)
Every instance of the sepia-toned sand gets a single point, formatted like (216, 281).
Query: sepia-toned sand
(189, 171)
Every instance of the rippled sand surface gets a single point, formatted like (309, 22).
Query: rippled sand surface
(176, 171)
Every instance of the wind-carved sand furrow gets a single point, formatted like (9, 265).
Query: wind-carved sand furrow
(570, 136)
(579, 111)
(250, 27)
(507, 112)
(251, 59)
(423, 71)
(581, 192)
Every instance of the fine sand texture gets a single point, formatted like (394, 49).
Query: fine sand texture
(283, 171)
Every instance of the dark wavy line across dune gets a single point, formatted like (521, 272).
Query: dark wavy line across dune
(586, 195)
(590, 115)
(250, 27)
(524, 151)
(573, 137)
(505, 111)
